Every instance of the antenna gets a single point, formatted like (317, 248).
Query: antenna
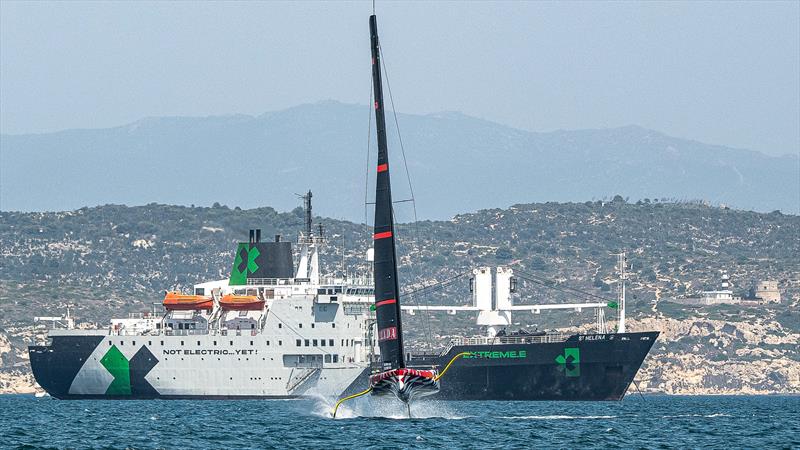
(622, 261)
(307, 199)
(307, 210)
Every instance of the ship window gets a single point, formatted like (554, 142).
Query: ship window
(198, 343)
(231, 342)
(330, 342)
(300, 325)
(267, 342)
(149, 342)
(121, 343)
(109, 343)
(312, 325)
(322, 342)
(280, 325)
(315, 342)
(333, 325)
(215, 342)
(251, 342)
(252, 326)
(335, 358)
(327, 358)
(342, 342)
(134, 343)
(299, 342)
(321, 291)
(162, 342)
(280, 342)
(181, 342)
(307, 342)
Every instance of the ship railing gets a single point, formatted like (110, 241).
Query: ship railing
(358, 308)
(170, 332)
(503, 340)
(270, 281)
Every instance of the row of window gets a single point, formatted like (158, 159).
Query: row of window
(321, 342)
(314, 342)
(360, 291)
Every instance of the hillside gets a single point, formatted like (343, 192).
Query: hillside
(111, 260)
(458, 163)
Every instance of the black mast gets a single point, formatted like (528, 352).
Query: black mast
(387, 292)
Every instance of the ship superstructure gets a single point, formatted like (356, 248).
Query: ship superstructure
(506, 364)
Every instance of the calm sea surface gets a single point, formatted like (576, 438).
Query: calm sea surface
(636, 422)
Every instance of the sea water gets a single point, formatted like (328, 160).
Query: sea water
(636, 422)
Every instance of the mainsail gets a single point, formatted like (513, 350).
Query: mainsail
(387, 292)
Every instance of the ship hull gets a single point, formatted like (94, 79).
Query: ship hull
(582, 368)
(90, 366)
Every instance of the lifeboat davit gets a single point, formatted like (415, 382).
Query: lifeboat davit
(184, 302)
(241, 302)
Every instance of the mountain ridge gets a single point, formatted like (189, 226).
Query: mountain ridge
(467, 161)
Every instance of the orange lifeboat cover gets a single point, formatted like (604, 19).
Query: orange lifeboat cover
(186, 302)
(241, 302)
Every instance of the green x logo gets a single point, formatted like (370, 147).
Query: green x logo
(569, 362)
(244, 263)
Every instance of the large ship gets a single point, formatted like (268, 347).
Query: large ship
(274, 329)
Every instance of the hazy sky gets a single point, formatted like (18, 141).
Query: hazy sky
(724, 73)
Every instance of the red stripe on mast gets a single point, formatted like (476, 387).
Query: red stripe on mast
(384, 235)
(386, 302)
(383, 167)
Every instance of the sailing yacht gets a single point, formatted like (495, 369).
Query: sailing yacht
(392, 376)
